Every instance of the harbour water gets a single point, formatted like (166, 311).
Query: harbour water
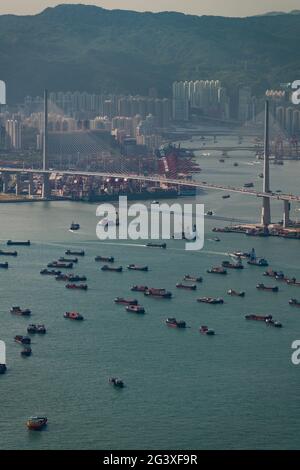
(235, 390)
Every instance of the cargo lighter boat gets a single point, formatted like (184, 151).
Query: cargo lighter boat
(106, 259)
(18, 243)
(160, 293)
(134, 267)
(122, 301)
(261, 286)
(40, 329)
(8, 253)
(173, 323)
(189, 278)
(4, 265)
(75, 253)
(210, 300)
(109, 268)
(135, 309)
(186, 286)
(73, 316)
(157, 245)
(77, 286)
(204, 330)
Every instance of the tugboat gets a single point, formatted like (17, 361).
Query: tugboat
(75, 253)
(187, 287)
(234, 293)
(106, 259)
(47, 272)
(36, 423)
(22, 339)
(237, 265)
(278, 275)
(271, 322)
(210, 300)
(217, 270)
(11, 242)
(122, 301)
(3, 368)
(8, 253)
(254, 261)
(294, 302)
(293, 282)
(157, 245)
(68, 260)
(261, 286)
(74, 226)
(77, 286)
(135, 309)
(58, 264)
(73, 316)
(258, 317)
(26, 352)
(18, 311)
(187, 277)
(134, 267)
(139, 288)
(108, 268)
(204, 330)
(118, 383)
(173, 323)
(32, 329)
(162, 293)
(4, 265)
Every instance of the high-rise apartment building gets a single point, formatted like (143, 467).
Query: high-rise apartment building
(13, 130)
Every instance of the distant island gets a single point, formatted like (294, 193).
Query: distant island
(77, 47)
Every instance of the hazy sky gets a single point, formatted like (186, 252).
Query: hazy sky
(198, 7)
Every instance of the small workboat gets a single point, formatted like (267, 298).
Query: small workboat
(3, 368)
(73, 316)
(22, 339)
(36, 423)
(20, 312)
(294, 302)
(74, 226)
(68, 260)
(116, 382)
(234, 293)
(26, 352)
(8, 253)
(209, 213)
(248, 185)
(187, 287)
(261, 286)
(204, 330)
(217, 270)
(173, 323)
(62, 277)
(134, 267)
(161, 293)
(255, 317)
(157, 245)
(187, 277)
(32, 329)
(77, 286)
(75, 253)
(106, 259)
(48, 272)
(18, 243)
(210, 300)
(108, 268)
(226, 196)
(135, 309)
(122, 301)
(4, 265)
(139, 288)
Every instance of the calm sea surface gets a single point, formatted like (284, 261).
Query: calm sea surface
(236, 390)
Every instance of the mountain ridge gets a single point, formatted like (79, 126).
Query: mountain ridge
(90, 48)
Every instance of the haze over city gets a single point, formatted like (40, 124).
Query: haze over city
(195, 7)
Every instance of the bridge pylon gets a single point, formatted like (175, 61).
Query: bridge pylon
(266, 207)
